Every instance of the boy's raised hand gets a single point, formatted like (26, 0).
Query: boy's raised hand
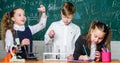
(41, 8)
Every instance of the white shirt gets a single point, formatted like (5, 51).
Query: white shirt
(34, 29)
(65, 37)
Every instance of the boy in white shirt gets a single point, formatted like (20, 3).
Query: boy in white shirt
(63, 33)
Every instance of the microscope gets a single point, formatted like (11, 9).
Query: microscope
(15, 57)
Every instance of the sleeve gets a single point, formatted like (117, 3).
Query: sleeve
(35, 28)
(8, 40)
(78, 48)
(99, 46)
(47, 39)
(77, 34)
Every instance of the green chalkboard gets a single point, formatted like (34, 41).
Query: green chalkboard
(107, 11)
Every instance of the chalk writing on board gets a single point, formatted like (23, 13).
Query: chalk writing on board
(107, 11)
(0, 9)
(23, 2)
(117, 15)
(10, 6)
(116, 3)
(75, 1)
(53, 7)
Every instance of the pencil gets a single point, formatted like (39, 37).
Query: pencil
(85, 50)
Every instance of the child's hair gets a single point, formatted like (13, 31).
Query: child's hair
(102, 27)
(7, 23)
(68, 9)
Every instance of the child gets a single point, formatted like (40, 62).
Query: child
(13, 27)
(99, 34)
(63, 34)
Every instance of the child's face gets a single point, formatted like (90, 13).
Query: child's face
(97, 36)
(66, 19)
(19, 17)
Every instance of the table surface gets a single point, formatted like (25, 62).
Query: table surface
(59, 61)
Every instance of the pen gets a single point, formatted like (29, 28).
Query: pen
(108, 50)
(85, 50)
(104, 49)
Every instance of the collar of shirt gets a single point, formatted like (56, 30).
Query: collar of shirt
(61, 21)
(20, 28)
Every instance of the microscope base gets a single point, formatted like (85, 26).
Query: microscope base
(17, 60)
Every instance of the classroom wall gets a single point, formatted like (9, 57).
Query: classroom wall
(39, 46)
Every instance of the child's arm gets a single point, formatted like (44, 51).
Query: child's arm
(42, 9)
(79, 52)
(8, 40)
(77, 34)
(78, 49)
(42, 23)
(49, 35)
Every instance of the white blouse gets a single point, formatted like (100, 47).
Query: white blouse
(34, 29)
